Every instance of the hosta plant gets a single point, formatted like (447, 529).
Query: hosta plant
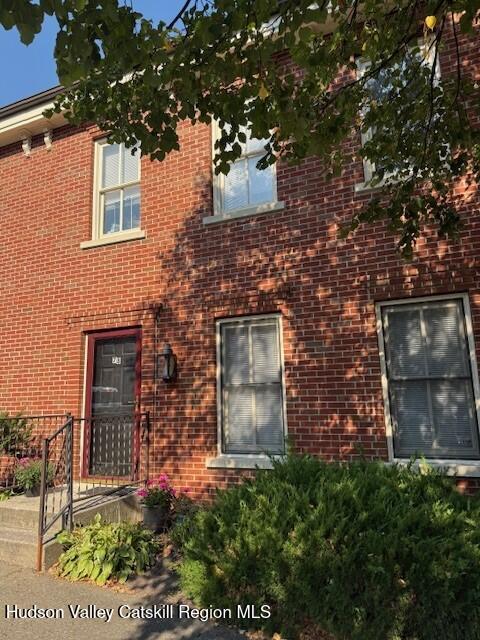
(104, 551)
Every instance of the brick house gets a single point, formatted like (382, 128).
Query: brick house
(281, 331)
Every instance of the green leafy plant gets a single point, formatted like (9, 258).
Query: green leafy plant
(141, 80)
(5, 494)
(28, 473)
(15, 433)
(103, 551)
(361, 550)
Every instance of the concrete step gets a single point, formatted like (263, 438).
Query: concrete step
(18, 546)
(16, 516)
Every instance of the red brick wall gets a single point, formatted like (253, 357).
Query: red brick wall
(53, 292)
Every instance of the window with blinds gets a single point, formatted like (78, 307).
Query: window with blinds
(118, 189)
(251, 386)
(246, 186)
(430, 388)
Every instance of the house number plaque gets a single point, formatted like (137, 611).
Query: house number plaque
(116, 360)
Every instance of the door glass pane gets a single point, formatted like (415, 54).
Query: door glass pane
(131, 208)
(260, 182)
(111, 212)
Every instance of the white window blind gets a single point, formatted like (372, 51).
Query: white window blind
(245, 185)
(251, 386)
(118, 190)
(429, 380)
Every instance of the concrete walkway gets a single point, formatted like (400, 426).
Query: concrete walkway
(24, 588)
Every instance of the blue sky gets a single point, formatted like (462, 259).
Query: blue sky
(29, 70)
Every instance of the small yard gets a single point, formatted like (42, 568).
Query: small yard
(308, 551)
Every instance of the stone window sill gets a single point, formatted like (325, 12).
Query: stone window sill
(459, 468)
(114, 238)
(269, 207)
(226, 461)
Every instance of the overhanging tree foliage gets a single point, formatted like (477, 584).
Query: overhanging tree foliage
(228, 60)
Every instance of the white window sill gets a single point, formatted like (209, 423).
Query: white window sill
(237, 461)
(114, 238)
(364, 187)
(268, 207)
(459, 468)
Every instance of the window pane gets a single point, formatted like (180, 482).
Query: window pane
(269, 417)
(110, 165)
(266, 360)
(111, 213)
(131, 165)
(261, 182)
(446, 351)
(405, 348)
(236, 355)
(256, 144)
(239, 422)
(131, 208)
(453, 414)
(235, 193)
(411, 417)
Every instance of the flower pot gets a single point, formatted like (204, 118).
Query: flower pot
(34, 492)
(155, 518)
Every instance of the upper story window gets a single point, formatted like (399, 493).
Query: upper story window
(381, 86)
(116, 198)
(118, 188)
(430, 378)
(245, 190)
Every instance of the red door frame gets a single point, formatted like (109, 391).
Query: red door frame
(91, 342)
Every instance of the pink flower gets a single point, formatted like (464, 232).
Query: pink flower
(142, 493)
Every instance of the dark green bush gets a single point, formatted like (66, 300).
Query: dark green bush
(365, 551)
(15, 433)
(103, 551)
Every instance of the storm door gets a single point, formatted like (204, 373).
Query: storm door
(114, 398)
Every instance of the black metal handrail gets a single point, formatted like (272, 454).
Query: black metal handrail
(116, 449)
(21, 437)
(56, 479)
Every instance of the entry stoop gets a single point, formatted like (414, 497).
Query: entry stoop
(19, 523)
(18, 533)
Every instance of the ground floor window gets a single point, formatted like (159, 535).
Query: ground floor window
(430, 377)
(250, 385)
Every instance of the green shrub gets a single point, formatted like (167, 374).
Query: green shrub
(15, 433)
(103, 551)
(364, 551)
(28, 473)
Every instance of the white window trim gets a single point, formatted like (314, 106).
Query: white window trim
(98, 237)
(245, 460)
(362, 65)
(451, 467)
(218, 185)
